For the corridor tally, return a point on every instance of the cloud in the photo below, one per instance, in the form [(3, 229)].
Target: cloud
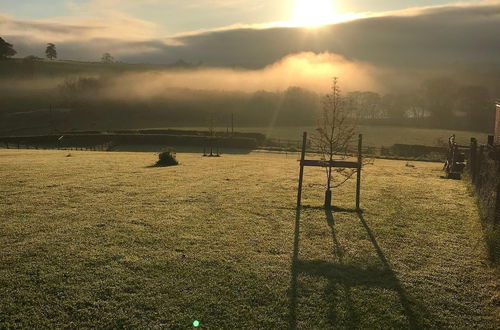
[(100, 6), (425, 38), (438, 36), (114, 26)]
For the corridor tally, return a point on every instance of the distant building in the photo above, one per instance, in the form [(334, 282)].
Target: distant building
[(497, 124)]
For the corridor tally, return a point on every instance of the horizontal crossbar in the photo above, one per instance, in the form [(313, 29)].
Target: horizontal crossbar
[(335, 163)]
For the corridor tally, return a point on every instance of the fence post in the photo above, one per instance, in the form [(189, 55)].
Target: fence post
[(496, 219), (358, 177), (491, 140), (479, 160), (301, 173), (473, 159)]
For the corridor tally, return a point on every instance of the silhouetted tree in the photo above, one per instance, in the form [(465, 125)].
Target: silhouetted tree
[(439, 98), (32, 58), (262, 106), (476, 103), (297, 106), (395, 106), (181, 64), (6, 50), (107, 58), (366, 104), (78, 91), (415, 105), (51, 51)]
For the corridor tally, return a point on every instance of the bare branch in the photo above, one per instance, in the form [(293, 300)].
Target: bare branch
[(335, 133)]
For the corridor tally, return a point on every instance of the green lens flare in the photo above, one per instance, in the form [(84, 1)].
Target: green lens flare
[(196, 324)]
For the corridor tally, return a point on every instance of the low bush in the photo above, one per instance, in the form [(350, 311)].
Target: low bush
[(167, 158)]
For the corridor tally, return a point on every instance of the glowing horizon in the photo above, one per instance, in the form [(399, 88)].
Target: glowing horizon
[(317, 13)]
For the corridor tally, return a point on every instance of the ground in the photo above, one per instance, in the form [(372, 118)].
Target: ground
[(93, 239)]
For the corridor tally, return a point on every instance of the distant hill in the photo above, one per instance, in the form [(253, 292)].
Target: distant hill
[(18, 67)]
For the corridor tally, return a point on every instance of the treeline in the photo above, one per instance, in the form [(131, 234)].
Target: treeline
[(436, 103), (94, 102), (88, 97), (440, 103)]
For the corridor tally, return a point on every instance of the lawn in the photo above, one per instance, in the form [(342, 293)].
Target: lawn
[(104, 240)]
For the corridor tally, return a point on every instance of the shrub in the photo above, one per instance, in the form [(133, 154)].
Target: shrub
[(167, 158)]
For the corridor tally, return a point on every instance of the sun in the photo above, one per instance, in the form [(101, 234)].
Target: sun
[(313, 12)]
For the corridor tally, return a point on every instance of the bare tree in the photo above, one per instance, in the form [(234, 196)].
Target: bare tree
[(333, 136)]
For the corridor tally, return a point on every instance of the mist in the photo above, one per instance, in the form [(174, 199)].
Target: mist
[(287, 92)]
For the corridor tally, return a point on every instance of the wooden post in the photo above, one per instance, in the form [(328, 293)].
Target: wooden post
[(473, 159), (479, 161), (232, 123), (455, 157), (360, 165), (301, 173), (491, 140), (497, 207)]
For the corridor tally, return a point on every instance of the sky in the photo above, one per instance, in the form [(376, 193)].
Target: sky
[(173, 16), (258, 33)]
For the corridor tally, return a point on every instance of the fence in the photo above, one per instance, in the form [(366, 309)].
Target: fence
[(88, 141), (396, 151), (484, 169), (23, 145)]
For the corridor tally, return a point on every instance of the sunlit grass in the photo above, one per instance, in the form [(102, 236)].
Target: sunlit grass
[(104, 240)]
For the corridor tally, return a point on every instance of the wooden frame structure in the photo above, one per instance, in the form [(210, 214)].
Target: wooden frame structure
[(321, 163), (211, 148), (455, 160)]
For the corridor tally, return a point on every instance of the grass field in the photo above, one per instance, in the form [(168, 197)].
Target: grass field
[(104, 240), (374, 136)]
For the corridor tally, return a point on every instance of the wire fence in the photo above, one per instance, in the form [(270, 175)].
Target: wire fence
[(22, 145), (484, 169), (396, 151)]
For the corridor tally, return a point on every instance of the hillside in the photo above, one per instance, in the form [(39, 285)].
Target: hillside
[(21, 68), (94, 239)]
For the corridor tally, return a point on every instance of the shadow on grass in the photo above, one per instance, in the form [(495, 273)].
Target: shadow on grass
[(332, 209), (345, 275), (161, 166), (414, 321), (457, 178), (179, 149), (292, 312)]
